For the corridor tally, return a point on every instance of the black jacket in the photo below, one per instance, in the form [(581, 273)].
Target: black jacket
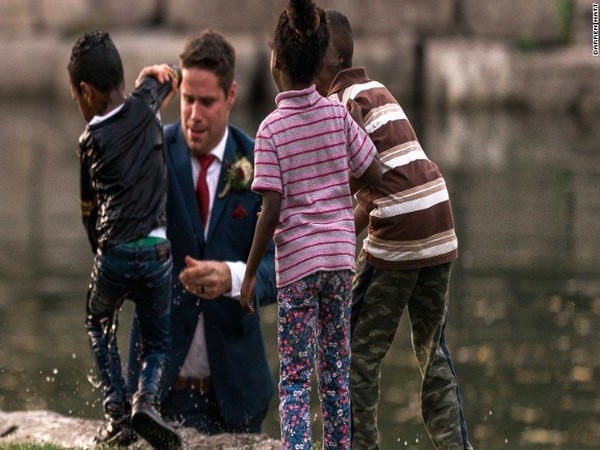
[(123, 173)]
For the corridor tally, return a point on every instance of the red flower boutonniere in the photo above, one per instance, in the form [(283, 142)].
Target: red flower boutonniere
[(238, 177), (239, 212)]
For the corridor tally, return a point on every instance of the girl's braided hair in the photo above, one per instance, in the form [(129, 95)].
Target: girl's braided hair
[(300, 40)]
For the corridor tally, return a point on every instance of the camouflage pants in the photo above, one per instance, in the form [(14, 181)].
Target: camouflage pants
[(380, 297)]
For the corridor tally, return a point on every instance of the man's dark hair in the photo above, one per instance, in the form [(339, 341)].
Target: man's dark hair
[(341, 37), (96, 60), (300, 40), (209, 50)]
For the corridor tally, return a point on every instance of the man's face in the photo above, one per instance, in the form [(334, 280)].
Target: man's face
[(205, 109)]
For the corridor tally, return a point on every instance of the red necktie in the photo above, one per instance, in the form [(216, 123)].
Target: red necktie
[(202, 187)]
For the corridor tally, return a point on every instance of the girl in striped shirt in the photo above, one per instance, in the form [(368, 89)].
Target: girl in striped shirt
[(303, 151)]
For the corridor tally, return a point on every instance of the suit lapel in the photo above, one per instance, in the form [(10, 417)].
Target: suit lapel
[(180, 160), (219, 203)]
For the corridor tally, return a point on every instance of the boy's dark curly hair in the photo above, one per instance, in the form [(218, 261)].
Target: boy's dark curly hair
[(96, 60), (300, 40), (209, 50)]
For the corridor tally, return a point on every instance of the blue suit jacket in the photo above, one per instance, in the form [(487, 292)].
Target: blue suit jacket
[(240, 372)]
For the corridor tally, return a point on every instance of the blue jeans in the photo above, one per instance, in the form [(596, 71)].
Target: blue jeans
[(143, 275)]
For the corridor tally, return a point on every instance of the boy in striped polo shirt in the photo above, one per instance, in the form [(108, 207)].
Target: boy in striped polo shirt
[(405, 259)]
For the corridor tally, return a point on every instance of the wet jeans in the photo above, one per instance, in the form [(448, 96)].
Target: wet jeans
[(143, 275)]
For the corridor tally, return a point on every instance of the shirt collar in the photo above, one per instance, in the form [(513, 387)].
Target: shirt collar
[(346, 78), (98, 119), (298, 99), (219, 151)]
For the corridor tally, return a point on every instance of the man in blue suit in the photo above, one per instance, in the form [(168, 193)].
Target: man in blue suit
[(218, 379)]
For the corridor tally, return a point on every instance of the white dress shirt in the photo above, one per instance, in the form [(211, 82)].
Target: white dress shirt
[(196, 362)]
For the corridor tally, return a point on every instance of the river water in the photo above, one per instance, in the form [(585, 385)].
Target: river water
[(525, 299)]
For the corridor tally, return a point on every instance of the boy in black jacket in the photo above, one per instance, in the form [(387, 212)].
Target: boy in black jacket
[(123, 198)]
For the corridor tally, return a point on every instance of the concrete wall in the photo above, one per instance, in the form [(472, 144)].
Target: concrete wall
[(539, 20), (536, 53)]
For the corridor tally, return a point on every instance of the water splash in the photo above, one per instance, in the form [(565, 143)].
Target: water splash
[(93, 381)]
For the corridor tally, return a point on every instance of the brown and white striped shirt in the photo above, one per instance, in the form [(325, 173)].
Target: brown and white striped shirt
[(410, 216)]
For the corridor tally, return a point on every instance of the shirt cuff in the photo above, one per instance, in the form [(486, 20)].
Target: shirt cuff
[(237, 270)]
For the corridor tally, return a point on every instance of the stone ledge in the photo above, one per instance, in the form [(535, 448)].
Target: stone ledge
[(36, 65), (469, 73), (48, 427), (450, 72)]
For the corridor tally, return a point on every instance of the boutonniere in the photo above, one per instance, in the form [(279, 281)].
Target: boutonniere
[(238, 177)]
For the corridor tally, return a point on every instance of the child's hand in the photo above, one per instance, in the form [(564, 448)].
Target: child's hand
[(247, 293), (356, 113), (159, 71), (163, 73)]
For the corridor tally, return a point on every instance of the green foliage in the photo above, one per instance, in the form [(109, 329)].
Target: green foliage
[(565, 16), (526, 44), (565, 13)]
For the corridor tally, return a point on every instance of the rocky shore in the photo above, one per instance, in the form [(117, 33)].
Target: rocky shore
[(47, 427)]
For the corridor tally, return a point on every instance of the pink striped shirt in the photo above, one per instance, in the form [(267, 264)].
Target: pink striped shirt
[(303, 150)]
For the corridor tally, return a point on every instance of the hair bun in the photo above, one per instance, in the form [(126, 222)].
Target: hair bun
[(303, 17)]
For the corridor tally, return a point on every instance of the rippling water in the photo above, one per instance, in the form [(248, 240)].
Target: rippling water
[(523, 326)]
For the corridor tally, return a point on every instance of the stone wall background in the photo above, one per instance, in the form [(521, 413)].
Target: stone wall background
[(452, 53)]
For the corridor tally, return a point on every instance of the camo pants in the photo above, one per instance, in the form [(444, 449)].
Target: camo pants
[(380, 297)]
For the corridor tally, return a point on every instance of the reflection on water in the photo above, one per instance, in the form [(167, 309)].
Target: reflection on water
[(523, 325)]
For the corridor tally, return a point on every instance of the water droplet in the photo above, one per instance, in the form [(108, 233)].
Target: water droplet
[(95, 383)]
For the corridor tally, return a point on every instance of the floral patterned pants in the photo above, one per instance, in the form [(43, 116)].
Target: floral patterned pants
[(314, 331)]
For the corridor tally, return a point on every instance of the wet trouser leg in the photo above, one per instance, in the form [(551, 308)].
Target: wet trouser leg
[(153, 309), (440, 397), (142, 274), (379, 299), (376, 312), (103, 302)]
